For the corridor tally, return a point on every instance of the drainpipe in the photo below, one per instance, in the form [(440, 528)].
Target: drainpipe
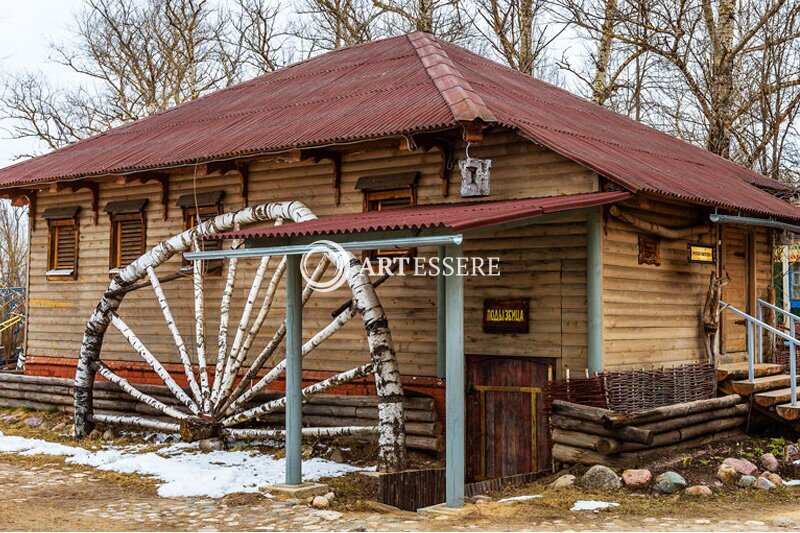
[(594, 290)]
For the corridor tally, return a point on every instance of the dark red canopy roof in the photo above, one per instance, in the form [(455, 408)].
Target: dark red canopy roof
[(456, 217), (399, 86)]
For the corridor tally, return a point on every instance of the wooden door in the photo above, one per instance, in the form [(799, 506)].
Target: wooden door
[(738, 263), (506, 423)]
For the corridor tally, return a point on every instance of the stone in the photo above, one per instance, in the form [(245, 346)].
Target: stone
[(701, 491), (320, 502), (600, 477), (564, 482), (108, 435), (728, 474), (33, 421), (763, 483), (775, 478), (769, 462), (742, 466), (746, 482), (443, 512), (379, 507), (637, 479), (330, 497), (670, 482), (791, 453), (337, 456), (212, 445), (786, 523), (301, 491)]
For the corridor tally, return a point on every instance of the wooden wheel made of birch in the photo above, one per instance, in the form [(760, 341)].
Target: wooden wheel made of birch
[(219, 406)]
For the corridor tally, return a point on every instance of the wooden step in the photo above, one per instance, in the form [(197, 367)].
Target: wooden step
[(739, 370), (774, 397), (746, 388), (788, 411)]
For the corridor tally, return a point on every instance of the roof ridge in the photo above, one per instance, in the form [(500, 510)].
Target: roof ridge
[(464, 102)]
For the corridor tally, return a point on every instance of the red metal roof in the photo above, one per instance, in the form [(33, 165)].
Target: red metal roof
[(456, 217), (399, 86)]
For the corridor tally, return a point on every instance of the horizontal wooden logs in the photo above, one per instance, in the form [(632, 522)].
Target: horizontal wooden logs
[(604, 445), (583, 412), (627, 433), (612, 419), (688, 433), (674, 423)]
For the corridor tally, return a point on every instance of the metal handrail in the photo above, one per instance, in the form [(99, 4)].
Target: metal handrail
[(751, 324), (792, 345)]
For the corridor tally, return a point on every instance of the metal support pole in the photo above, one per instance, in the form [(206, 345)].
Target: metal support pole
[(594, 291), (750, 367), (441, 318), (760, 317), (792, 362), (454, 452), (294, 370), (787, 303)]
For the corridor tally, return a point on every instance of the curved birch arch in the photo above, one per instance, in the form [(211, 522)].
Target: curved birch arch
[(217, 406)]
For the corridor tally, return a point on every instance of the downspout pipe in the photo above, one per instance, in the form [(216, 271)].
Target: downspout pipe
[(594, 290), (750, 221)]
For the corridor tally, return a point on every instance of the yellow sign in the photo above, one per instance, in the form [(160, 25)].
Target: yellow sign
[(701, 253)]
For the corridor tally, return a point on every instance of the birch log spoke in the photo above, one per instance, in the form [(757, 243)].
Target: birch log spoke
[(154, 363), (210, 410), (176, 335), (316, 388)]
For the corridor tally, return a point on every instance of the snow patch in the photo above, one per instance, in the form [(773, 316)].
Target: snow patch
[(591, 505), (792, 482), (183, 472), (520, 498)]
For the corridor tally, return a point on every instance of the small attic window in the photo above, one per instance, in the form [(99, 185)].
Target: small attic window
[(128, 232), (392, 191)]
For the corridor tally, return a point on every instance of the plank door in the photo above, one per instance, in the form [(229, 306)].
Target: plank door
[(738, 264), (506, 423)]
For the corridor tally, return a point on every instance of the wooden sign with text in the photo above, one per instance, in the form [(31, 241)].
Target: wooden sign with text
[(702, 253), (505, 315)]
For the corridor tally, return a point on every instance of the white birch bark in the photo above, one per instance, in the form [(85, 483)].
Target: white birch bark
[(125, 385), (176, 335), (224, 313), (200, 329), (154, 363), (341, 431), (316, 388), (99, 320), (137, 421)]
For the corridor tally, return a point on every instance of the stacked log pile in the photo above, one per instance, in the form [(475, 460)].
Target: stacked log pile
[(424, 431), (591, 435)]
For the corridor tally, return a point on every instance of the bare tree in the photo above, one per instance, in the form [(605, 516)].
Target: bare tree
[(13, 244), (331, 24), (444, 18), (519, 32), (139, 58)]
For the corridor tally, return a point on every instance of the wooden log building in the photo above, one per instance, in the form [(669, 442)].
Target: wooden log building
[(590, 214)]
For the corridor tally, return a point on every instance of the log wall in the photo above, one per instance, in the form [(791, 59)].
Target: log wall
[(651, 314), (544, 262)]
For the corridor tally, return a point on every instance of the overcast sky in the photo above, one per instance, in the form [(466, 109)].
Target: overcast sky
[(27, 27)]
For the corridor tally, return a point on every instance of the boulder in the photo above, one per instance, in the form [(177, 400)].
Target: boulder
[(320, 502), (330, 497), (564, 482), (791, 453), (108, 434), (746, 482), (728, 474), (698, 490), (336, 456), (775, 478), (742, 466), (637, 479), (670, 483), (763, 483), (769, 462), (33, 421), (600, 477), (212, 444)]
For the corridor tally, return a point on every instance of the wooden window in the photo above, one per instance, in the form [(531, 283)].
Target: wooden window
[(191, 217), (127, 239), (383, 193), (62, 257)]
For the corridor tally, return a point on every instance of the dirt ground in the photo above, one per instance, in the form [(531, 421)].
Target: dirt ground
[(42, 493)]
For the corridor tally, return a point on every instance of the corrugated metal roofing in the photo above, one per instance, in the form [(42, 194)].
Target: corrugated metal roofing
[(456, 217), (398, 86)]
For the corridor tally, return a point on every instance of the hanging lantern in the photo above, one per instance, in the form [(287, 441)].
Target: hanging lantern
[(474, 176)]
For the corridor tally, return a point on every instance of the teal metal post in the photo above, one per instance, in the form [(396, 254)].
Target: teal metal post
[(441, 318), (454, 390), (594, 290), (294, 370)]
